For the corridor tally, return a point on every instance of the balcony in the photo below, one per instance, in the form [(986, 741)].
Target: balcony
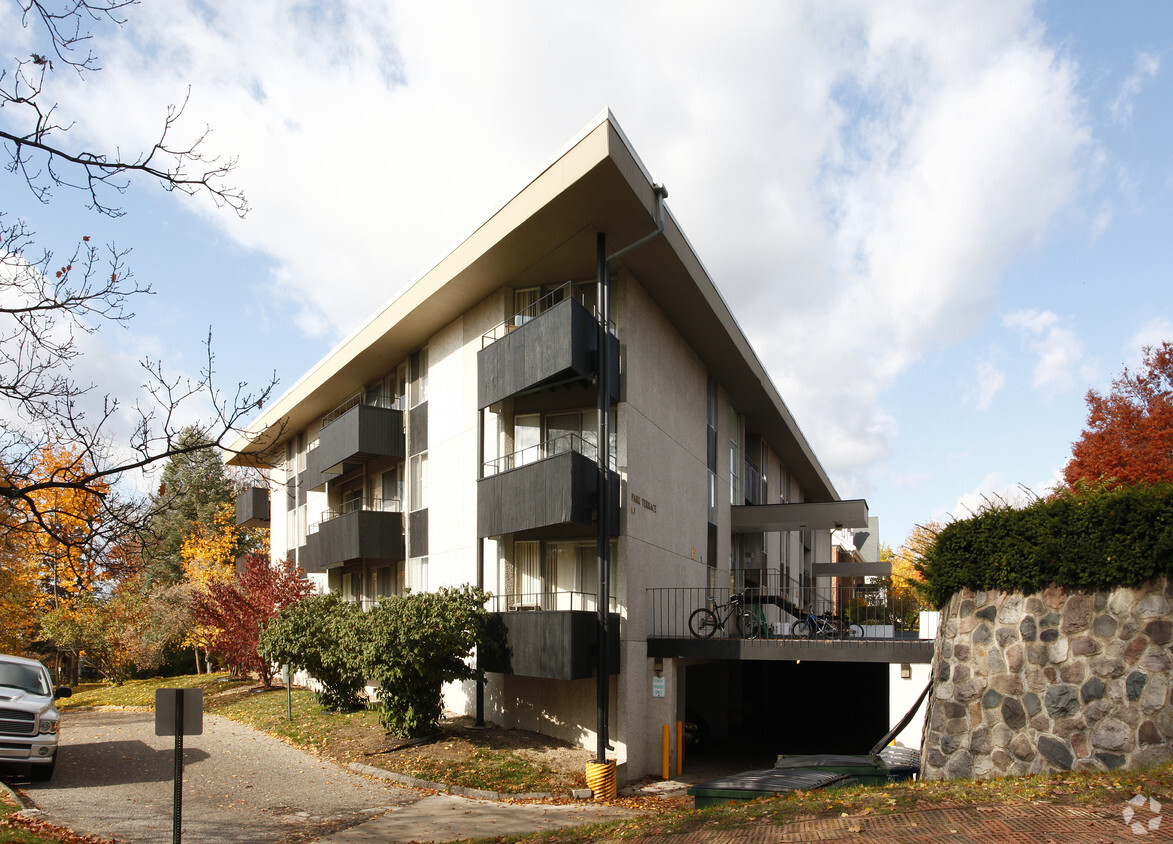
[(556, 644), (558, 345), (760, 625), (356, 530), (252, 508), (353, 434), (548, 485)]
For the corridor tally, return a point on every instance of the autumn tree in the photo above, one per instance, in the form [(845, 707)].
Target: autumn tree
[(1128, 438), (238, 610), (209, 555), (193, 491)]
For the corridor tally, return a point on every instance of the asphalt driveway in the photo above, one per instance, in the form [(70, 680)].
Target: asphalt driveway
[(115, 778)]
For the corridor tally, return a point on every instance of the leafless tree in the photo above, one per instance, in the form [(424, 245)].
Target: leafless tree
[(47, 303), (35, 136)]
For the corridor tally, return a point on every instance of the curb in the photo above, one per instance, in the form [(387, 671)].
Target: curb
[(20, 807), (459, 791)]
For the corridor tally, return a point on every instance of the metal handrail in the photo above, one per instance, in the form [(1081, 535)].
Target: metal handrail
[(881, 613), (546, 601), (542, 451), (355, 505), (360, 398), (564, 291)]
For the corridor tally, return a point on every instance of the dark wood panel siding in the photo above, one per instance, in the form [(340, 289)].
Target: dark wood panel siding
[(417, 419), (554, 346), (364, 534), (417, 524), (252, 507), (555, 491), (362, 432), (554, 645)]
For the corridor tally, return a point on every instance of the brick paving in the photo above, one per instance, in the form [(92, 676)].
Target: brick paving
[(963, 825)]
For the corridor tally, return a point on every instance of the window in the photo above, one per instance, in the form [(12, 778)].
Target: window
[(391, 490), (384, 582), (527, 438), (736, 459), (417, 574), (419, 481), (349, 588), (525, 302), (419, 378), (527, 560)]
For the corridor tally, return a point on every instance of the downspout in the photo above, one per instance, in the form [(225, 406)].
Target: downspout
[(480, 722), (603, 462)]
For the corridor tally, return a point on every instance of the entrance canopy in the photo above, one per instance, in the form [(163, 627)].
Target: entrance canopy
[(821, 515)]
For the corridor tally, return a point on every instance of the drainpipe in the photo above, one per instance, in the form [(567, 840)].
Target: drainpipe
[(603, 462), (480, 722)]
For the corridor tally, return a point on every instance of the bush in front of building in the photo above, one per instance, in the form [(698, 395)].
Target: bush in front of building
[(322, 635), (415, 644), (1090, 541)]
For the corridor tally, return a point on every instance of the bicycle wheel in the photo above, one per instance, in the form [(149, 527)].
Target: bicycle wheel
[(801, 630), (749, 625), (855, 631), (703, 623)]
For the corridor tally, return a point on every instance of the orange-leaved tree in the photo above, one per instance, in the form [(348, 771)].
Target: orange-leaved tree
[(1129, 434)]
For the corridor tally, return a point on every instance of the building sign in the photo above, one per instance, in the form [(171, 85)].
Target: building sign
[(658, 687)]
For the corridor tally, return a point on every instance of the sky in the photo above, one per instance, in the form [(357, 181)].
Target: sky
[(939, 224)]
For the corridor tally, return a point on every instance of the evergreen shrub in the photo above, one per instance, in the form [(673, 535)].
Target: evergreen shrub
[(1092, 541)]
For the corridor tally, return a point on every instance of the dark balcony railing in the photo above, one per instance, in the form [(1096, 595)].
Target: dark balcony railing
[(360, 432), (557, 347), (356, 531), (252, 508), (552, 644), (560, 488), (882, 612)]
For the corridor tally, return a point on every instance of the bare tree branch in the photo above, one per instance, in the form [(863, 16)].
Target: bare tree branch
[(36, 154)]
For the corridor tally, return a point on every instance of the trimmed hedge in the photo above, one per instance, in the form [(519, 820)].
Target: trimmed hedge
[(1088, 542)]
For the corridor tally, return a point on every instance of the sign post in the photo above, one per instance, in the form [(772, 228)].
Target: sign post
[(179, 712)]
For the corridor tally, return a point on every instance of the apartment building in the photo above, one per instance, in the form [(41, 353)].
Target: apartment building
[(455, 438)]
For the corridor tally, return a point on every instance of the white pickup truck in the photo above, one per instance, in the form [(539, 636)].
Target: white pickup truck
[(28, 718)]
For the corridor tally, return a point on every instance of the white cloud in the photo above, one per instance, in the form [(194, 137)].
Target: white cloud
[(990, 380), (1059, 350), (856, 179), (993, 491), (1144, 70), (1152, 333)]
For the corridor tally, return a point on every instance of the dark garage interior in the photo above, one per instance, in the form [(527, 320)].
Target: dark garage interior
[(757, 710)]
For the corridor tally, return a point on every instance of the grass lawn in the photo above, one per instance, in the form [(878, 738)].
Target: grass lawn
[(1108, 790)]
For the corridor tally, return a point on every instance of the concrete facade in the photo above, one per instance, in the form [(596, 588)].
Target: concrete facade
[(685, 371)]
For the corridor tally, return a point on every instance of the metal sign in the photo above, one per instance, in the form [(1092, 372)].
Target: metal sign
[(658, 687), (170, 702)]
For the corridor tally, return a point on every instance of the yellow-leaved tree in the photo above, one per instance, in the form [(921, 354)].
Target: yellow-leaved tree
[(209, 556), (904, 593)]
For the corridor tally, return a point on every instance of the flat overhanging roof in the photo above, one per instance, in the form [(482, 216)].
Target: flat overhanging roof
[(822, 515), (547, 232)]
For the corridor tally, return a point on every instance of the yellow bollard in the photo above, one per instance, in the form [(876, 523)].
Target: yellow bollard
[(679, 748), (600, 777), (665, 744)]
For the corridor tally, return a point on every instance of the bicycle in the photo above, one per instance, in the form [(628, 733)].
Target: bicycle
[(706, 621), (825, 626)]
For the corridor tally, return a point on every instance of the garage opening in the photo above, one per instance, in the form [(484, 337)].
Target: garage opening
[(753, 711)]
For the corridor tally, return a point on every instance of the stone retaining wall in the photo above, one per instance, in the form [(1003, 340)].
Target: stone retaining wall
[(1057, 680)]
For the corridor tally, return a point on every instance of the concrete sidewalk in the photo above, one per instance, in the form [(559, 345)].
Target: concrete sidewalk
[(446, 817)]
